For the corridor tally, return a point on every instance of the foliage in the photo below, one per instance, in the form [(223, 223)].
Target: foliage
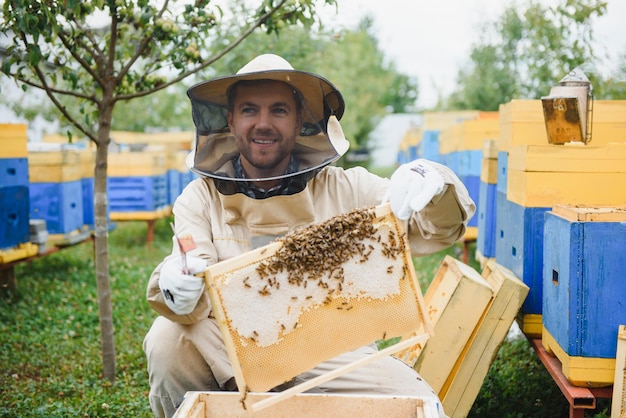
[(351, 59), (144, 47), (49, 330), (526, 51)]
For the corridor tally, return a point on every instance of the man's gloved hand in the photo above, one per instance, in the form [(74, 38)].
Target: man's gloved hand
[(181, 291), (413, 185)]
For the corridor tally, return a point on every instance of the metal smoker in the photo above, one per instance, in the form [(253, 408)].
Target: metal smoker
[(568, 109)]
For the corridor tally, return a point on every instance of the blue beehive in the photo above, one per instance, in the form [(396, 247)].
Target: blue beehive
[(59, 204), (470, 162), (14, 221), (584, 286), (486, 214), (138, 193), (519, 246), (472, 184), (503, 157), (429, 146)]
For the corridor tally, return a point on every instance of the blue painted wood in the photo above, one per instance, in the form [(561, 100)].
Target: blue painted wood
[(503, 164), (519, 246), (174, 185), (584, 286), (428, 147), (470, 162), (138, 193), (14, 220), (59, 204), (486, 214), (472, 184), (13, 172)]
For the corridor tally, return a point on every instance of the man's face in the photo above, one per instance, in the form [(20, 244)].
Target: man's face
[(265, 121)]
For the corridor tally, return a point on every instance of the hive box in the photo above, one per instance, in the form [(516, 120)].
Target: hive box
[(59, 204), (14, 229), (62, 165), (584, 289), (486, 219), (13, 172), (13, 140), (522, 123), (519, 247)]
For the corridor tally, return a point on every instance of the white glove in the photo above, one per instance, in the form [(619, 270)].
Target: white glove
[(182, 291), (413, 185)]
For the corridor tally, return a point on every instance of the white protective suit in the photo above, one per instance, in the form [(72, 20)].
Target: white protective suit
[(186, 352)]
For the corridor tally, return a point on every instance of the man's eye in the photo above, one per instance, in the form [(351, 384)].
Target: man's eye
[(280, 110)]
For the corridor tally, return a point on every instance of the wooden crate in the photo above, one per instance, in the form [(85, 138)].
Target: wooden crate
[(13, 140), (59, 204), (14, 205), (569, 158), (583, 286), (460, 390), (307, 405), (455, 302)]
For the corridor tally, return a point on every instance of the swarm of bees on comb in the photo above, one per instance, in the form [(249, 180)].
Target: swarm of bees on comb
[(324, 264)]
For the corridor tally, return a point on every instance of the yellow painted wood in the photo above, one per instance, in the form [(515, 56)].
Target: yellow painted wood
[(172, 140), (522, 123), (531, 324), (143, 163), (472, 134), (13, 140), (412, 137), (455, 302), (618, 405), (438, 121), (490, 148), (54, 166), (571, 158), (87, 162), (585, 213), (141, 216), (460, 391), (489, 171), (580, 371), (20, 252), (447, 137), (536, 189)]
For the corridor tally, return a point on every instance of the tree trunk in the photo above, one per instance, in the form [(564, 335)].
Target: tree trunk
[(101, 235)]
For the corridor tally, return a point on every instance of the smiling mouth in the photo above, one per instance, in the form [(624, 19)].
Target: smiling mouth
[(263, 141)]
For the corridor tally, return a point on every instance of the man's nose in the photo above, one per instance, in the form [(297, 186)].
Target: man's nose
[(263, 119)]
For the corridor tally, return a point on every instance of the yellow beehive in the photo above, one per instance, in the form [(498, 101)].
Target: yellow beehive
[(13, 140), (87, 162), (438, 121), (148, 162), (455, 302), (522, 123), (54, 166), (460, 390), (472, 134), (545, 175), (171, 140), (307, 405)]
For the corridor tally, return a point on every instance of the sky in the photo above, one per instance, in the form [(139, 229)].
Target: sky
[(431, 40)]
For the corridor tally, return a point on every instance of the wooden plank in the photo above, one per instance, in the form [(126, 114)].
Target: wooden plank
[(310, 405), (457, 291), (569, 158), (585, 213), (489, 171), (460, 391), (13, 140), (618, 404), (535, 189)]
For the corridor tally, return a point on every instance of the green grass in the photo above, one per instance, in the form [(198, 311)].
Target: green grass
[(50, 352)]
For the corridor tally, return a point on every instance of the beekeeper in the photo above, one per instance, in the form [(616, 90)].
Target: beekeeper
[(265, 141)]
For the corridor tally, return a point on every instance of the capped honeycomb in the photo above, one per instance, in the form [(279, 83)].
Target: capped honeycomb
[(315, 293)]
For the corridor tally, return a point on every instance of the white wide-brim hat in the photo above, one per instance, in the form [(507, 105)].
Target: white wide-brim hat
[(215, 146)]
